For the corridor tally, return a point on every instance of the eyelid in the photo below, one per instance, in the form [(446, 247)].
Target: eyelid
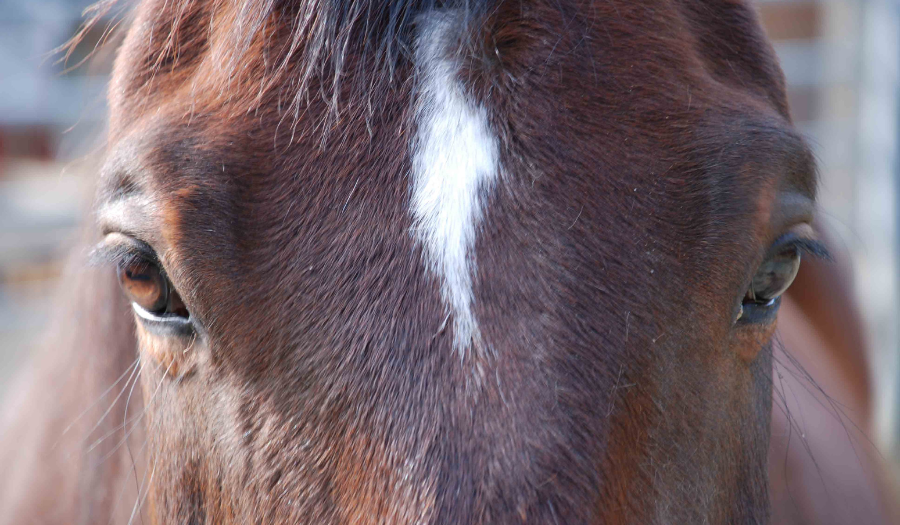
[(119, 249), (806, 245)]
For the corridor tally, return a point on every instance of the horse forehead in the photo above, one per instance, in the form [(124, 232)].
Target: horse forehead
[(175, 44), (193, 157), (210, 141)]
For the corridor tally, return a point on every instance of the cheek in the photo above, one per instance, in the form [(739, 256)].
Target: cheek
[(174, 355), (748, 341)]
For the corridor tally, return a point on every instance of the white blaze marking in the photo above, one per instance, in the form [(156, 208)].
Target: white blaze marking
[(455, 164)]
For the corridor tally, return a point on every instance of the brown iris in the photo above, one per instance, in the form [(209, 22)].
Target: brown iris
[(774, 276), (145, 286)]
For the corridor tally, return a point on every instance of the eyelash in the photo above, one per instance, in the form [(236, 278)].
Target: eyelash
[(806, 246), (122, 254)]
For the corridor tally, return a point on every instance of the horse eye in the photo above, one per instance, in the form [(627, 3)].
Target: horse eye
[(146, 286), (774, 277)]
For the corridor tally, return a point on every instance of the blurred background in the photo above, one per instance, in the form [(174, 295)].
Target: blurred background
[(51, 126), (841, 58)]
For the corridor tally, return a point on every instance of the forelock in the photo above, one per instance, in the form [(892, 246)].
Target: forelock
[(333, 49)]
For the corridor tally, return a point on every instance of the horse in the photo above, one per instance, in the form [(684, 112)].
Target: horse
[(409, 261), (823, 467)]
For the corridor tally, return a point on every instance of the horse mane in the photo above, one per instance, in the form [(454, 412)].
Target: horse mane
[(320, 36)]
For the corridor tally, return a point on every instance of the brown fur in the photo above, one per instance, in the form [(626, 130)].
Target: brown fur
[(645, 146)]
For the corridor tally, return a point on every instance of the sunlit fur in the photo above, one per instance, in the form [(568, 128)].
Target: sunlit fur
[(564, 351)]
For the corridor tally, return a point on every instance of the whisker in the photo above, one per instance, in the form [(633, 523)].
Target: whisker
[(111, 433), (128, 447), (122, 488), (139, 416), (125, 417), (140, 501), (837, 408), (140, 487), (129, 384), (786, 366), (790, 430), (131, 369)]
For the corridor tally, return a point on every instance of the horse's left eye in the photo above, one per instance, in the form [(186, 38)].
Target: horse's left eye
[(149, 291), (774, 277), (144, 285)]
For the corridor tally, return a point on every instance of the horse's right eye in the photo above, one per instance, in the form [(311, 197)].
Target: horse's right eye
[(774, 277)]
